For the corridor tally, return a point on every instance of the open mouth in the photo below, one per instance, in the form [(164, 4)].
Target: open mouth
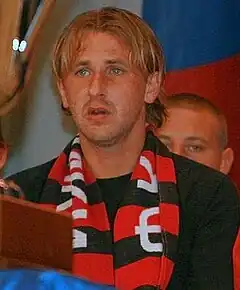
[(98, 112)]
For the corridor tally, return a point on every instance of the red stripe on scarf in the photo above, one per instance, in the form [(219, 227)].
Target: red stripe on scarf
[(140, 172), (169, 214), (166, 171), (236, 262), (97, 216), (94, 267), (126, 220), (58, 172), (143, 269), (165, 276), (74, 170)]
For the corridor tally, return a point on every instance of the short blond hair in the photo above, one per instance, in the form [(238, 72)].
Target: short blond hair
[(145, 51), (196, 102)]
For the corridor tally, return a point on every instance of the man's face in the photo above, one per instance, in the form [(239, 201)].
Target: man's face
[(193, 134), (104, 92)]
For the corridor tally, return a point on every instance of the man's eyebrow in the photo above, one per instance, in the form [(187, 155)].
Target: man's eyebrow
[(107, 61), (194, 138), (190, 138), (82, 63), (116, 61)]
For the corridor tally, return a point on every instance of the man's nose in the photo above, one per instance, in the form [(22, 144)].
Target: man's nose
[(97, 85)]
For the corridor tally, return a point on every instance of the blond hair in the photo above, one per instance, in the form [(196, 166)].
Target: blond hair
[(145, 51)]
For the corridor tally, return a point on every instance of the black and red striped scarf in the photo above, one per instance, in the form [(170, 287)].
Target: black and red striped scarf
[(146, 225)]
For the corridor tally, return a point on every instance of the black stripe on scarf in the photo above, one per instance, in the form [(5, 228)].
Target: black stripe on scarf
[(103, 244), (130, 247)]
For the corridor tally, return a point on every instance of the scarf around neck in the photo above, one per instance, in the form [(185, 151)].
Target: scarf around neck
[(141, 251)]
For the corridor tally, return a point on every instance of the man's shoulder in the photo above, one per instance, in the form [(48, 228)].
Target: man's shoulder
[(189, 172), (200, 186), (32, 180), (209, 211)]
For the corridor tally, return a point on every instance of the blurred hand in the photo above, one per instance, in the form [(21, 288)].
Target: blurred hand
[(9, 188)]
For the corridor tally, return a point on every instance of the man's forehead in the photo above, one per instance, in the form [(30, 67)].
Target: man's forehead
[(187, 131), (201, 118), (106, 49), (104, 40)]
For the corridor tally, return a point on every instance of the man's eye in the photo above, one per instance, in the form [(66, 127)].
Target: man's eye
[(195, 148), (83, 72), (116, 71)]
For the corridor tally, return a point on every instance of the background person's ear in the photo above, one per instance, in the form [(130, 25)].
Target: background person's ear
[(227, 160), (153, 88)]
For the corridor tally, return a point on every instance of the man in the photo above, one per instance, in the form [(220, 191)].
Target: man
[(197, 129), (143, 218)]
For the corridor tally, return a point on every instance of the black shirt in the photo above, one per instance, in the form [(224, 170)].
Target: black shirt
[(113, 190)]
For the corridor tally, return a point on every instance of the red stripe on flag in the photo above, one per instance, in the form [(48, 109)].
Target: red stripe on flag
[(96, 268)]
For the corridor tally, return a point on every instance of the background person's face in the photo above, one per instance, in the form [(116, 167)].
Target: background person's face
[(193, 134), (104, 93)]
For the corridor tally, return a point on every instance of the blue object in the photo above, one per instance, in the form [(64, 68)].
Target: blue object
[(194, 32), (44, 280)]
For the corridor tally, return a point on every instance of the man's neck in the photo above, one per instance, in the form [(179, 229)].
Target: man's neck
[(116, 160)]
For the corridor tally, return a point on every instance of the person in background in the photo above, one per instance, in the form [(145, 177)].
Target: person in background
[(143, 217), (197, 129)]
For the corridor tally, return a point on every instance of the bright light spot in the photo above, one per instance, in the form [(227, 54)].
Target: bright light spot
[(15, 44), (22, 45)]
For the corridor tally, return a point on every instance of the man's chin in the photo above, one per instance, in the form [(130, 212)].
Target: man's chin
[(103, 140), (104, 136)]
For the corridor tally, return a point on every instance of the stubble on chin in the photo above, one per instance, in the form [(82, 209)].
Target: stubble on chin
[(106, 140)]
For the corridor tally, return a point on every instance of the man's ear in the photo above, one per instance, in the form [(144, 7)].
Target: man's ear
[(153, 88), (63, 94), (3, 154), (227, 160)]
